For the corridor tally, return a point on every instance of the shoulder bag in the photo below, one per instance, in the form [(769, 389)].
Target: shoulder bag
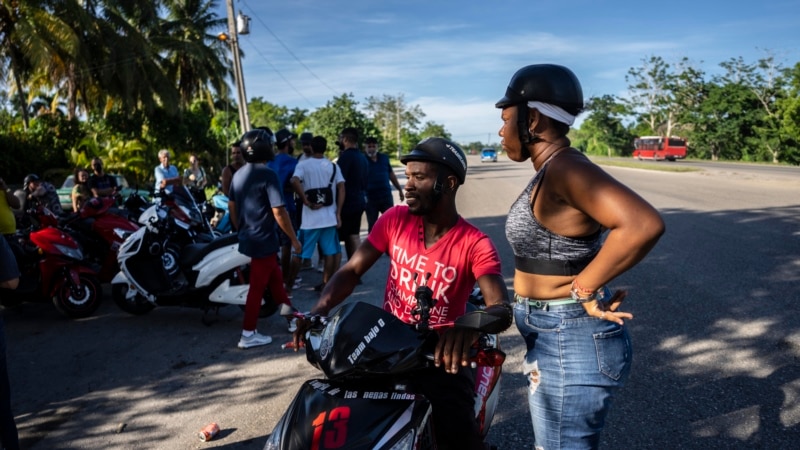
[(322, 196)]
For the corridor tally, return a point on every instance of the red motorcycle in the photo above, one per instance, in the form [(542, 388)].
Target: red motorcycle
[(52, 267), (100, 230)]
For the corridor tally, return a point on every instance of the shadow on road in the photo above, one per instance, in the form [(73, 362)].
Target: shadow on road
[(716, 338)]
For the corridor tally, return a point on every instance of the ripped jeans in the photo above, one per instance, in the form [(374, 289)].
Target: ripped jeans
[(574, 365)]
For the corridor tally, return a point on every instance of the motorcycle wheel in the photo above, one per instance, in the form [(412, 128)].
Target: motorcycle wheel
[(170, 259), (78, 301), (137, 305)]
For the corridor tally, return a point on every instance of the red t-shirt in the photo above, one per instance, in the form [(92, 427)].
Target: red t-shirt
[(460, 257)]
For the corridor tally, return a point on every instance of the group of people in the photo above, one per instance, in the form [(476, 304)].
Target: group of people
[(573, 229), (296, 206)]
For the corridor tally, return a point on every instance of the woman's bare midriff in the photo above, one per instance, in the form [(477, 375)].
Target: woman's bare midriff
[(541, 287)]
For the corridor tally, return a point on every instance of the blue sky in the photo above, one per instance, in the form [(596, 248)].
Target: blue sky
[(454, 58)]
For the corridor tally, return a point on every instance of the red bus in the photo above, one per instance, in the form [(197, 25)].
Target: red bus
[(659, 148)]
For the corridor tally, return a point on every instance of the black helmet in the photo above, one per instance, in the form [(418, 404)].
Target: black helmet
[(442, 151), (547, 83), (257, 145), (283, 135), (28, 178)]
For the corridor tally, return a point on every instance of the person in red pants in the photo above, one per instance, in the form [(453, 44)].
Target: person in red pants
[(255, 204)]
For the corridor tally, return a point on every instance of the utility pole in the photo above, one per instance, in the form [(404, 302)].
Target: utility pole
[(397, 128), (238, 75)]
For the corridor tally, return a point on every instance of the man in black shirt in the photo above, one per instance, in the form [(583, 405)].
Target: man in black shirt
[(355, 170), (101, 183)]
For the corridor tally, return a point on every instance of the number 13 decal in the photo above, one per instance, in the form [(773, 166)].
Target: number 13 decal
[(335, 428)]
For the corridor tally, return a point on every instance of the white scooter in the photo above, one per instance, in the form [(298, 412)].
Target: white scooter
[(155, 272)]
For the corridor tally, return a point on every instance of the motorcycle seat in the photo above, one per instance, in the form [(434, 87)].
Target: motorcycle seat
[(193, 253)]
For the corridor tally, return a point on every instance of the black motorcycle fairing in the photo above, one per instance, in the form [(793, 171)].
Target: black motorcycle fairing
[(328, 414), (362, 339)]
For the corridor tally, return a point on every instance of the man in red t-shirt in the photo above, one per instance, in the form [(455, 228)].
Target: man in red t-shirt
[(428, 240)]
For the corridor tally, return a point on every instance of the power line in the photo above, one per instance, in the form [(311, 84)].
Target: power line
[(289, 51)]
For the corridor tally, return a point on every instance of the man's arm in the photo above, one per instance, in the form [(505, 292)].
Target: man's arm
[(226, 180), (282, 217), (232, 215), (341, 285), (97, 192), (297, 187), (453, 349), (340, 193), (395, 183)]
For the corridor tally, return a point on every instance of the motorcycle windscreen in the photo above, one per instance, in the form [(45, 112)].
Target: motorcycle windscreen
[(364, 339), (327, 415)]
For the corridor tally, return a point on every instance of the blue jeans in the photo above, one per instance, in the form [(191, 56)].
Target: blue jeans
[(574, 365)]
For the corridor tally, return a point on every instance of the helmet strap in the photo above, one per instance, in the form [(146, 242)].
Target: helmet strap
[(525, 136), (438, 187)]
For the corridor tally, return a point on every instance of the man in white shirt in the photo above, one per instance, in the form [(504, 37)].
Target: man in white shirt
[(320, 185), (166, 174)]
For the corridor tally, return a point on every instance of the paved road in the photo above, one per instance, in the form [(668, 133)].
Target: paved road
[(716, 335)]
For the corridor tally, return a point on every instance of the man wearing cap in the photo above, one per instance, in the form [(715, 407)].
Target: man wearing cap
[(284, 164), (428, 240), (305, 143), (379, 192)]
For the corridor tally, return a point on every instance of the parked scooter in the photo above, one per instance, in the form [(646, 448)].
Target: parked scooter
[(52, 267), (100, 232), (156, 272), (367, 354), (191, 226)]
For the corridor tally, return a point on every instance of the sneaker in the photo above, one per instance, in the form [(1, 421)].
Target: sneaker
[(293, 325), (254, 340), (320, 268)]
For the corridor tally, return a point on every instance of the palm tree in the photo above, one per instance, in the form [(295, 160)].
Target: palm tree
[(128, 68), (33, 40), (194, 55)]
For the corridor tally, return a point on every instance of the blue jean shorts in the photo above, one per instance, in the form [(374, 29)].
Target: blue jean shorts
[(328, 239)]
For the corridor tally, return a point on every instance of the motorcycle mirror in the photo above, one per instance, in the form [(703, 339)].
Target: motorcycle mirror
[(482, 321)]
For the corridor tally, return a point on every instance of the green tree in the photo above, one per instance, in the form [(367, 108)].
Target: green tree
[(394, 116), (195, 57), (32, 40), (603, 131), (265, 114), (340, 112), (789, 111), (649, 88)]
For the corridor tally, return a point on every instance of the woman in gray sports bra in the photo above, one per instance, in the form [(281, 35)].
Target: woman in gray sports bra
[(573, 229)]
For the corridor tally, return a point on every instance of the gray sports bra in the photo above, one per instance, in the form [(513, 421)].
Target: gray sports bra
[(540, 251)]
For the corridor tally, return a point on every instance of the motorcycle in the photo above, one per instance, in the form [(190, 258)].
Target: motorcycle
[(100, 229), (52, 266), (191, 225), (366, 354), (155, 272)]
